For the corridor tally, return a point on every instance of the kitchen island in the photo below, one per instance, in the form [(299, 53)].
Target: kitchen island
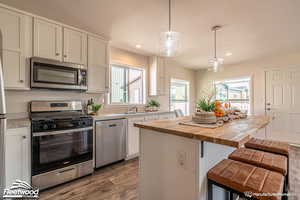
[(175, 158)]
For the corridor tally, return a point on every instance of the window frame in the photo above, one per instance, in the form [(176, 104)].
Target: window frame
[(187, 93), (128, 67), (251, 91)]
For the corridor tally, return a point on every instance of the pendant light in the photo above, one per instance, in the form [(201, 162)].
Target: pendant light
[(215, 61), (169, 41)]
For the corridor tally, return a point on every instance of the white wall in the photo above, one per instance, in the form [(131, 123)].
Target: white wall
[(256, 69), (178, 72)]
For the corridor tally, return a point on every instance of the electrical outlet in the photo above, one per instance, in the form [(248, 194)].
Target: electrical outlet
[(182, 159)]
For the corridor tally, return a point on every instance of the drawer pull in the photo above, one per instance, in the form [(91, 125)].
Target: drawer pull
[(64, 171)]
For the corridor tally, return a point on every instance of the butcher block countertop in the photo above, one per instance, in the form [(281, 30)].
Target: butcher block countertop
[(234, 134)]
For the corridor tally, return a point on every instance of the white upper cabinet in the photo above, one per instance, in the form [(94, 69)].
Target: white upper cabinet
[(16, 30), (47, 40), (75, 46), (157, 76), (97, 65)]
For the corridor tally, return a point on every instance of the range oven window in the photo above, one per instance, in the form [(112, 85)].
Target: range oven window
[(46, 73), (59, 150)]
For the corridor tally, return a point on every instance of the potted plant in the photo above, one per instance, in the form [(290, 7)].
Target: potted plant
[(205, 113), (152, 105), (96, 108)]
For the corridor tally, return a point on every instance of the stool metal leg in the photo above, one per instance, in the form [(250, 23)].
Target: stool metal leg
[(210, 189), (230, 195)]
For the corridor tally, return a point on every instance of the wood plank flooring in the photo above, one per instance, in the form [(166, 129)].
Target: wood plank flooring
[(120, 182), (116, 182)]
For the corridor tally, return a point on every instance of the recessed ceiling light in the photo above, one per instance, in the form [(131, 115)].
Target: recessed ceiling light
[(228, 54), (138, 46)]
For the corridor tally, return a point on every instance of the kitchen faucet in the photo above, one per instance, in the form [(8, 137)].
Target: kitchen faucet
[(132, 108)]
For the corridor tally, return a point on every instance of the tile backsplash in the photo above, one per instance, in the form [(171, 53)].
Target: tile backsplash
[(17, 101)]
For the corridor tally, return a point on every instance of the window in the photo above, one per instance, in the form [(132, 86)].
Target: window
[(236, 91), (179, 96), (127, 85)]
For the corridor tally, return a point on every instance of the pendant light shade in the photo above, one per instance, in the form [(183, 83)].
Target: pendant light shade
[(215, 62), (169, 43), (169, 40)]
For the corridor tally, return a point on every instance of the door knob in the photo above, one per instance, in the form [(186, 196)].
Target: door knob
[(57, 54), (268, 109), (24, 137), (268, 104), (65, 56)]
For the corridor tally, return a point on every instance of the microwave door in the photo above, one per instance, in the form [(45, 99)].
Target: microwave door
[(56, 75)]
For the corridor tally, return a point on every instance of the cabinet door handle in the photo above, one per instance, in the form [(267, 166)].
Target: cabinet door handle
[(24, 137), (57, 54), (21, 81), (65, 56)]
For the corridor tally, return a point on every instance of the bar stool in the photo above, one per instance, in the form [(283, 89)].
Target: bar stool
[(245, 180), (270, 161), (281, 148), (277, 147)]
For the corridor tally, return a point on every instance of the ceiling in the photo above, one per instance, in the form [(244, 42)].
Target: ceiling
[(251, 29)]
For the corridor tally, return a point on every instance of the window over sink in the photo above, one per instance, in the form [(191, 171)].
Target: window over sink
[(127, 84)]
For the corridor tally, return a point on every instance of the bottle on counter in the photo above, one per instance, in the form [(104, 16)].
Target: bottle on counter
[(89, 106)]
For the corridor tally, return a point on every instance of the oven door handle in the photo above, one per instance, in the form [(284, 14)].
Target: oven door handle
[(38, 134)]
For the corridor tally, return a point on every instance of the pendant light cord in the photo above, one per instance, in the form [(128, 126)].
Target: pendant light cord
[(169, 15), (215, 43)]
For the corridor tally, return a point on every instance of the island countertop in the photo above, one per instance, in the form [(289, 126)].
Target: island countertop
[(233, 134)]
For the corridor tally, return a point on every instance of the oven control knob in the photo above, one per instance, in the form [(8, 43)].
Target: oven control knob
[(45, 126)]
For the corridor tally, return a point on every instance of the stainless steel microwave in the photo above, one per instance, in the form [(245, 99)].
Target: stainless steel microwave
[(49, 74)]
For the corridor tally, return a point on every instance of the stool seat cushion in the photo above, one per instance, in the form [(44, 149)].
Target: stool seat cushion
[(268, 145), (262, 159), (243, 177)]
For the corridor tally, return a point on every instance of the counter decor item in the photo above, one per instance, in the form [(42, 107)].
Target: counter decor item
[(205, 113), (92, 108), (213, 113), (96, 108), (152, 106)]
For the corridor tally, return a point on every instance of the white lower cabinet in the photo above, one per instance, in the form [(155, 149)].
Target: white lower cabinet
[(133, 137), (133, 133), (17, 155)]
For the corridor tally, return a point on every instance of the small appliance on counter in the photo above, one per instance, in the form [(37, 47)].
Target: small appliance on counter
[(49, 74), (62, 142)]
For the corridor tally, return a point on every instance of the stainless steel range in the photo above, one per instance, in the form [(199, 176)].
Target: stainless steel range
[(62, 142)]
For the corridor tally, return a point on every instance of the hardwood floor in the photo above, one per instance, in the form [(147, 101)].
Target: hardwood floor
[(120, 182), (116, 182)]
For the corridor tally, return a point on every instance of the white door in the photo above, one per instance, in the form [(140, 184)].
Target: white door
[(47, 40), (283, 101), (17, 155), (14, 29), (97, 65), (75, 46)]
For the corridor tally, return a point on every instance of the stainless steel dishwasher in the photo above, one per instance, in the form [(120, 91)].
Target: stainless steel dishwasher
[(110, 141)]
